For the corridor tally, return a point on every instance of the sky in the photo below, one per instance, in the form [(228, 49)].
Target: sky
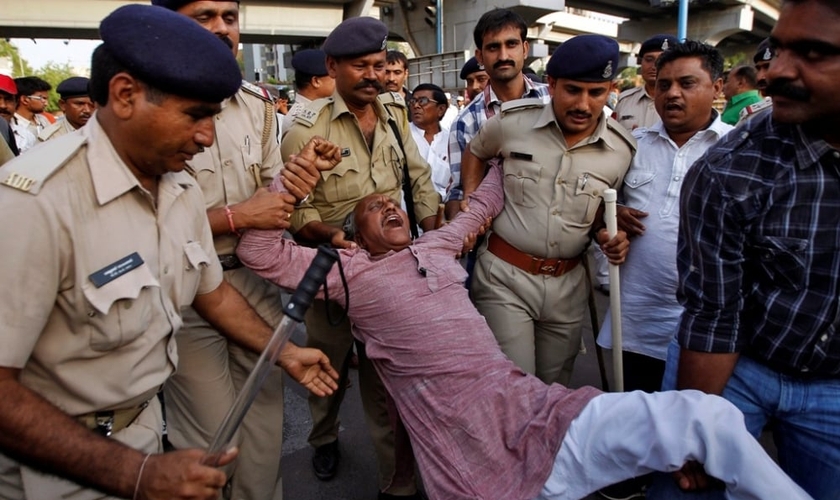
[(41, 51)]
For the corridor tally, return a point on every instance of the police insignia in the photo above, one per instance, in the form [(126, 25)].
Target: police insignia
[(608, 71), (768, 54), (665, 45), (384, 43)]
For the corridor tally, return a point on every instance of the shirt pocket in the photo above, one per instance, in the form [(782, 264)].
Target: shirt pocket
[(121, 310), (587, 191), (342, 182), (638, 187), (522, 178), (781, 259), (195, 259)]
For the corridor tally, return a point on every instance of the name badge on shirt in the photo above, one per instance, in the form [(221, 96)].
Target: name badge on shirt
[(113, 271), (345, 152), (521, 156)]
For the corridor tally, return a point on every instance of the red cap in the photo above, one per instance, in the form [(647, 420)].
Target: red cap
[(7, 85)]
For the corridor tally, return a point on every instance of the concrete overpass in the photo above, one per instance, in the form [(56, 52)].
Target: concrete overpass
[(732, 25)]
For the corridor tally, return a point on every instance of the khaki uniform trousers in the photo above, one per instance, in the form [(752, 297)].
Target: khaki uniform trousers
[(536, 319), (19, 482), (336, 342), (210, 373)]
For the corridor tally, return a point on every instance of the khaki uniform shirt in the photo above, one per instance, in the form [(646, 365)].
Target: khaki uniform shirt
[(239, 161), (362, 171), (636, 109), (301, 102), (57, 129), (5, 152), (95, 273), (551, 191)]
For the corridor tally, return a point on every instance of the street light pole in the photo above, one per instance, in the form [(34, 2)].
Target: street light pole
[(682, 21)]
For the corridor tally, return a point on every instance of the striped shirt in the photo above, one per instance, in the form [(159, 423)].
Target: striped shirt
[(471, 119), (759, 249)]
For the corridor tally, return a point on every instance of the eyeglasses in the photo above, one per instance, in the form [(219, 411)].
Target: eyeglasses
[(38, 98), (422, 101)]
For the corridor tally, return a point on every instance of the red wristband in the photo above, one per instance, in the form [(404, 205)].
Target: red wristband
[(232, 226)]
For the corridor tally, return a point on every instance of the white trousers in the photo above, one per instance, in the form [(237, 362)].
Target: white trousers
[(622, 435)]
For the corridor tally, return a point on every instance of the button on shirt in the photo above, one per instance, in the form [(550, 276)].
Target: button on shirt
[(649, 308), (472, 118), (758, 254), (81, 346)]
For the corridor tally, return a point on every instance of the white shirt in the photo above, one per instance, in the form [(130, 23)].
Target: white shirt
[(24, 138), (436, 155), (449, 117), (649, 308)]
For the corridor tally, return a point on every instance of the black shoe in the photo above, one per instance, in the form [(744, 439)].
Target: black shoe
[(388, 496), (325, 461)]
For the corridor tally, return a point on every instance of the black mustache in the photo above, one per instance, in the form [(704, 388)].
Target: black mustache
[(784, 88), (227, 41), (369, 83), (500, 63)]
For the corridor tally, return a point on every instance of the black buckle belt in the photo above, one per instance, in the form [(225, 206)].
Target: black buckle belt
[(230, 262)]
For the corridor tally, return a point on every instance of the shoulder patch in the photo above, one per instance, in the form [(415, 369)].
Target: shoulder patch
[(49, 131), (309, 114), (622, 132), (520, 104), (755, 108), (29, 172), (629, 92), (392, 98), (256, 91)]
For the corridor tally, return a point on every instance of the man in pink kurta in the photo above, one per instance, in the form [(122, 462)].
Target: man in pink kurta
[(481, 428)]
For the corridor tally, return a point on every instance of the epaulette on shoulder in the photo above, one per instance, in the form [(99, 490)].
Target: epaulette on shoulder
[(30, 171), (629, 92), (392, 98), (622, 132), (309, 115), (48, 132), (520, 104), (755, 108), (256, 91)]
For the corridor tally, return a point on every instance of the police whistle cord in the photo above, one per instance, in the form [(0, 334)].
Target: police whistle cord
[(293, 314)]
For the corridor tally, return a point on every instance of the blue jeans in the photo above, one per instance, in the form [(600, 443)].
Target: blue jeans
[(804, 417)]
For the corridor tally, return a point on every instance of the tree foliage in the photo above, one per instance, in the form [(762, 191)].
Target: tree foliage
[(20, 67), (54, 74)]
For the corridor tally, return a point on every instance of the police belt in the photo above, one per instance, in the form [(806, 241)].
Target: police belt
[(527, 262), (111, 421), (230, 262)]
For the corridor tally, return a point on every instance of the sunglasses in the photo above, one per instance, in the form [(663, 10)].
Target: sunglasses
[(422, 101)]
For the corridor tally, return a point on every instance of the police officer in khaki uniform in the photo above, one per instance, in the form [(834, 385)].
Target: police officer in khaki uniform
[(76, 105), (356, 118), (558, 160), (233, 174), (312, 81), (635, 106), (109, 240)]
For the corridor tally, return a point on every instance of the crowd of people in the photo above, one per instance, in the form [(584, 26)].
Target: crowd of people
[(153, 229)]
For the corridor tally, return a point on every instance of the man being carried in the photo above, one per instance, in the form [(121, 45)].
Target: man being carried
[(481, 428)]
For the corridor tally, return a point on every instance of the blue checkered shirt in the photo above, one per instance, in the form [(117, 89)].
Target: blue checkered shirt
[(471, 119), (759, 249)]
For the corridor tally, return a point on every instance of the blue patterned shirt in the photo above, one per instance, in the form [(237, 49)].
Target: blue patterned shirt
[(759, 249), (471, 119)]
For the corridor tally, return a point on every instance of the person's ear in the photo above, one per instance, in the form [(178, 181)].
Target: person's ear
[(124, 91)]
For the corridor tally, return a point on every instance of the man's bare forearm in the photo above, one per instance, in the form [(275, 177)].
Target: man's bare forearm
[(38, 434), (705, 371), (472, 171)]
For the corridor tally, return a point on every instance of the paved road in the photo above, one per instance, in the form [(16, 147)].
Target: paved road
[(356, 478)]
